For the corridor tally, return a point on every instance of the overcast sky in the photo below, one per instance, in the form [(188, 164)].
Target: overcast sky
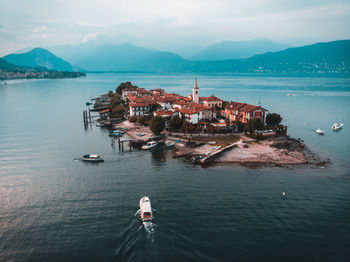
[(166, 24)]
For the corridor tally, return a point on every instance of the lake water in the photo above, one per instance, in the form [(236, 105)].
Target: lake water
[(55, 209)]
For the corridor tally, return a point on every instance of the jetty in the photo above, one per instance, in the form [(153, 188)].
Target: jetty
[(136, 143), (211, 156)]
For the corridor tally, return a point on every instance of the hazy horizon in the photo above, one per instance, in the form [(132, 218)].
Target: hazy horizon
[(169, 26)]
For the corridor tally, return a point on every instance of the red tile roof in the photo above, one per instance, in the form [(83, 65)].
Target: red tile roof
[(211, 98), (164, 113), (250, 108), (167, 99), (180, 102), (189, 111), (103, 111), (235, 105)]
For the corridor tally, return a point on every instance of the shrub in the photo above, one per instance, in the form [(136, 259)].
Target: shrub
[(119, 109), (157, 124), (273, 119), (255, 124), (133, 119), (142, 120), (175, 123), (124, 85)]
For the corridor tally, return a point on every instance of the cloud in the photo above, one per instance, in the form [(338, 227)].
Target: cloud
[(38, 29), (89, 37), (162, 23)]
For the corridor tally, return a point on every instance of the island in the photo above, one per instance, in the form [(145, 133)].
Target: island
[(206, 130)]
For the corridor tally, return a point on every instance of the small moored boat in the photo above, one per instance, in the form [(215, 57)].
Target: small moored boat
[(149, 145), (92, 158), (116, 133), (337, 126), (145, 210), (196, 159), (88, 103), (319, 131), (170, 144)]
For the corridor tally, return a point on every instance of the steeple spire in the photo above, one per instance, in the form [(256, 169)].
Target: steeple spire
[(195, 92), (195, 83)]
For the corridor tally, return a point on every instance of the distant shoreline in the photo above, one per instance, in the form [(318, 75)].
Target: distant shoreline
[(347, 75), (13, 75)]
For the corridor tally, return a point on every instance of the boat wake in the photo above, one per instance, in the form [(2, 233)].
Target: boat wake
[(149, 227)]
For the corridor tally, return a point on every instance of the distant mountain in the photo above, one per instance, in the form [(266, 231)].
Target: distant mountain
[(24, 50), (6, 66), (329, 57), (236, 50), (185, 50), (321, 57), (39, 57), (120, 57)]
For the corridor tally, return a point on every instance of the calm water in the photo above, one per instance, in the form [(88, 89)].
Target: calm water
[(55, 209)]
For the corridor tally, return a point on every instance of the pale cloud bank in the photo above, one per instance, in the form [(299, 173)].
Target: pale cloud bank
[(163, 24)]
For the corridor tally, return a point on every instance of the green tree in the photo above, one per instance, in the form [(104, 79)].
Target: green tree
[(239, 125), (124, 85), (175, 123), (142, 120), (255, 124), (157, 124), (187, 127), (115, 100), (110, 93), (273, 119), (155, 107), (133, 119), (118, 109)]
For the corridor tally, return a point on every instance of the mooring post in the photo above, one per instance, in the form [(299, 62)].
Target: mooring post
[(119, 143), (130, 145), (122, 145), (85, 118)]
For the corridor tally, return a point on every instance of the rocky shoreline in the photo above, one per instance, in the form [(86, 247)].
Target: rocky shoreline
[(281, 151)]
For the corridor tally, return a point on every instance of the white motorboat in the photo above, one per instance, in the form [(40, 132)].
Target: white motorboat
[(145, 210), (337, 126), (170, 144), (149, 145), (92, 158), (319, 131)]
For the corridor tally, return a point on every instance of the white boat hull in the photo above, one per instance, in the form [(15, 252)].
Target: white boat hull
[(149, 146), (145, 209), (337, 126)]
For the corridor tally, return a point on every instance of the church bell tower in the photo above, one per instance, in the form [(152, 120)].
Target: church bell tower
[(195, 92)]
